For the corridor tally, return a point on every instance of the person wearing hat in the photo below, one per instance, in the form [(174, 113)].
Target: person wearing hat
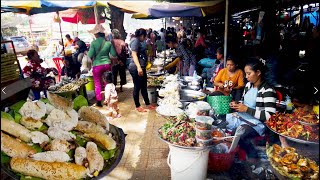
[(100, 51), (81, 48)]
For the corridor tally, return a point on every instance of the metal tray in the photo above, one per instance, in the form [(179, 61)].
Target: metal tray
[(119, 137), (294, 139), (191, 95)]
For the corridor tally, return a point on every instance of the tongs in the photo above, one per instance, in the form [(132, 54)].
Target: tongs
[(222, 138)]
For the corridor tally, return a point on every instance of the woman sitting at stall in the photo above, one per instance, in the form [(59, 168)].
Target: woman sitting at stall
[(38, 74), (259, 103), (229, 80)]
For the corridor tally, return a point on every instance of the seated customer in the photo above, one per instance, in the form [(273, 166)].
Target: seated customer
[(38, 74), (259, 103), (230, 80)]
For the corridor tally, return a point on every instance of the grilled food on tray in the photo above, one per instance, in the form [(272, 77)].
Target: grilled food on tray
[(57, 146), (285, 124), (290, 164)]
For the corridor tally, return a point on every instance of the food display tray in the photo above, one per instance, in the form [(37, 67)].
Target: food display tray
[(187, 95), (294, 139), (119, 137)]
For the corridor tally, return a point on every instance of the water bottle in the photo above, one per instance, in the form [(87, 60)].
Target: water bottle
[(204, 85), (289, 105), (194, 75)]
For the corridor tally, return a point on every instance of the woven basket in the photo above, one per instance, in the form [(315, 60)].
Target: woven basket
[(220, 104)]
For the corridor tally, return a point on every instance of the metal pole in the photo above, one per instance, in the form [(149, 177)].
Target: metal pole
[(165, 45), (61, 34), (96, 17), (226, 33)]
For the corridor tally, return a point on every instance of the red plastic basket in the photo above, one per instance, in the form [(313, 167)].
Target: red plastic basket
[(221, 162)]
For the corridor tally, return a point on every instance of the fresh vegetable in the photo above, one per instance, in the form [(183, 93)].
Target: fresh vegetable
[(17, 106), (45, 100), (37, 148), (4, 158), (6, 116), (79, 101), (107, 154)]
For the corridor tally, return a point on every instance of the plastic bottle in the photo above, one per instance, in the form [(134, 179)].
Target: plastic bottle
[(204, 85), (194, 75), (289, 105)]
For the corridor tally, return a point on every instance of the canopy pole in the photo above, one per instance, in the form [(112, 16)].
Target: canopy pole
[(165, 45), (95, 9), (226, 33), (77, 24), (61, 34)]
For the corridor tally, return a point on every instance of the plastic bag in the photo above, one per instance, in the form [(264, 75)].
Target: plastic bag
[(207, 62)]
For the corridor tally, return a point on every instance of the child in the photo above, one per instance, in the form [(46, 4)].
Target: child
[(111, 96)]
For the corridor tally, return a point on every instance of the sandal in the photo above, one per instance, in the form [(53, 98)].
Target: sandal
[(151, 107), (141, 109)]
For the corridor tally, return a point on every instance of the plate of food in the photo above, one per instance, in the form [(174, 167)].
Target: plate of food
[(289, 164), (51, 140), (284, 125)]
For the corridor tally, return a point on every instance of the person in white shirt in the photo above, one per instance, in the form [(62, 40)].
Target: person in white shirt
[(111, 96)]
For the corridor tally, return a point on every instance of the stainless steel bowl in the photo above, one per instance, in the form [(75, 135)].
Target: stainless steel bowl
[(187, 95)]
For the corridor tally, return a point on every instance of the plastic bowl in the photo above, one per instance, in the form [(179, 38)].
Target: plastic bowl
[(204, 142), (204, 134)]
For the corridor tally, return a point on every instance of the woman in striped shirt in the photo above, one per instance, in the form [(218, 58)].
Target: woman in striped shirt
[(259, 103)]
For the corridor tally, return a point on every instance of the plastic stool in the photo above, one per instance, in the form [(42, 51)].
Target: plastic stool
[(56, 61)]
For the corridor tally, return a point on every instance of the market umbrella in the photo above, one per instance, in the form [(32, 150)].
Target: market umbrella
[(45, 6), (85, 16)]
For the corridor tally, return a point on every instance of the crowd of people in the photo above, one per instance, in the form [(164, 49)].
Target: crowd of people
[(253, 97)]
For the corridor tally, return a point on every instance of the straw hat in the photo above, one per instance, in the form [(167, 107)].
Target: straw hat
[(97, 29)]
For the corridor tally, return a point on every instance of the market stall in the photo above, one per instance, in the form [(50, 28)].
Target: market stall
[(55, 138)]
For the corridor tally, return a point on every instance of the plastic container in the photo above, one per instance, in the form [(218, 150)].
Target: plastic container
[(203, 142), (188, 164), (204, 134), (204, 122), (152, 94), (90, 85)]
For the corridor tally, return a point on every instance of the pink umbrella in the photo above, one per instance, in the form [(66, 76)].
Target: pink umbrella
[(85, 16)]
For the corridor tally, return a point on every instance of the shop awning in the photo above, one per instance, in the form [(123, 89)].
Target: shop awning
[(45, 6), (160, 10)]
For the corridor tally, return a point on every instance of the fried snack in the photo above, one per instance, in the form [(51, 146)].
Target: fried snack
[(80, 155), (93, 115), (15, 148), (48, 170), (103, 140), (15, 129), (35, 110), (95, 159), (89, 127), (60, 102), (31, 123)]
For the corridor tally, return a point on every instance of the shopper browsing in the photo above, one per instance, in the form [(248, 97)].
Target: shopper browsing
[(137, 69)]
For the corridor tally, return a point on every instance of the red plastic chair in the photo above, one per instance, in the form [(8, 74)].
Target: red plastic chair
[(56, 61)]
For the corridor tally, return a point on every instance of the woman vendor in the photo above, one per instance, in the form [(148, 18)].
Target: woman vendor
[(38, 74), (186, 61), (259, 103), (230, 80)]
